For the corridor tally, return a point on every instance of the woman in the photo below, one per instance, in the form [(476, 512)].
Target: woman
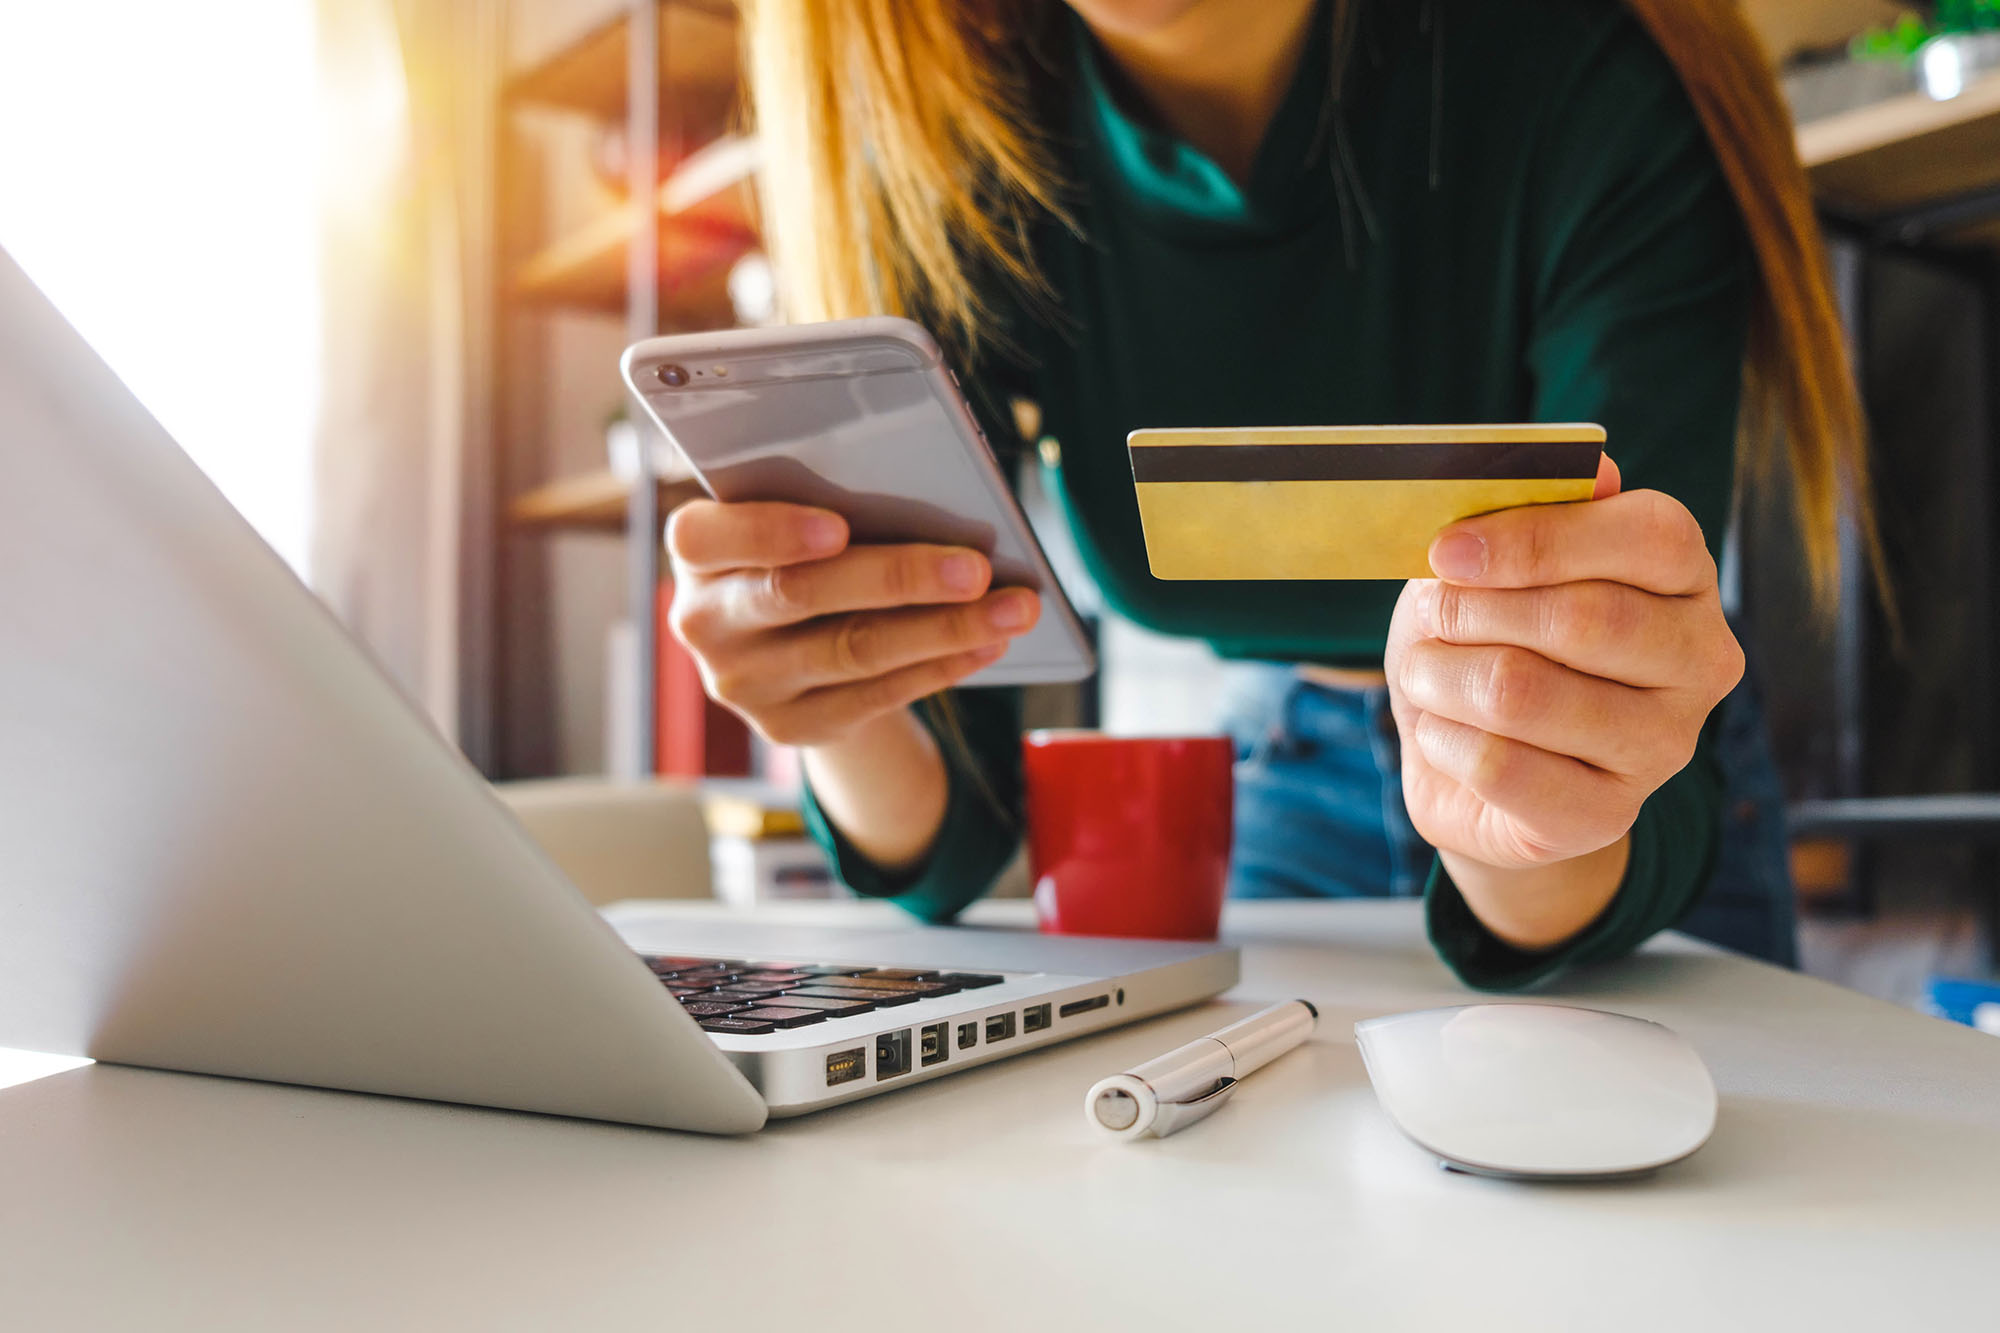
[(1272, 212)]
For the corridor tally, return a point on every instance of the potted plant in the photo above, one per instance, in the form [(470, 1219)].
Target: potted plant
[(1828, 68), (1957, 42)]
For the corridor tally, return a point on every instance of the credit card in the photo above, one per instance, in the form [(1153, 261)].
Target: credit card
[(1340, 502)]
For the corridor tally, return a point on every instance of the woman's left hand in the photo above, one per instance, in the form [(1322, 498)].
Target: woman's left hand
[(1558, 670)]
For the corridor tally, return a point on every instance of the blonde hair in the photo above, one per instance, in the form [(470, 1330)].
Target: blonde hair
[(904, 159)]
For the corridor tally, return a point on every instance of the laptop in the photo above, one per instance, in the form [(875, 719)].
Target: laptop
[(228, 845)]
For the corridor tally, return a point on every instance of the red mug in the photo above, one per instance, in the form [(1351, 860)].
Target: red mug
[(1129, 835)]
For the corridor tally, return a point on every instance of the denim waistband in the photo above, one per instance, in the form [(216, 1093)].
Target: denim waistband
[(1318, 790), (1265, 698)]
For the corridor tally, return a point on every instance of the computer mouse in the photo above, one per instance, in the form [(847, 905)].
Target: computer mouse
[(1540, 1091)]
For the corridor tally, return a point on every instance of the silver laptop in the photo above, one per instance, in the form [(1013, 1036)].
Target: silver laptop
[(229, 846)]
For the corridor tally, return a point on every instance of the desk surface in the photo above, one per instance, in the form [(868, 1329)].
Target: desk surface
[(1853, 1183)]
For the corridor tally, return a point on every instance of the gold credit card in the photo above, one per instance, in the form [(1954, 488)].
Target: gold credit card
[(1340, 502)]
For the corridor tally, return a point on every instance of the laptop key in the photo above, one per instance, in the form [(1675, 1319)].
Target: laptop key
[(803, 969), (742, 1027), (831, 1008), (819, 970), (781, 1016), (905, 987), (713, 1008), (970, 980), (902, 974), (661, 963), (738, 990), (680, 992), (881, 999), (763, 978)]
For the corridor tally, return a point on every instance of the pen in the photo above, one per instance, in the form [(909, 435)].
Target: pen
[(1187, 1084)]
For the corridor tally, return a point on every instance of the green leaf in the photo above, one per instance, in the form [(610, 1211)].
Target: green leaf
[(1900, 40), (1968, 15)]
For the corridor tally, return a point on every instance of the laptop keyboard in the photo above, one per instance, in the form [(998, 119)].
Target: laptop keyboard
[(746, 999)]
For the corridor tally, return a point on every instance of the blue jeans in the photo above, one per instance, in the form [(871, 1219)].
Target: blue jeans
[(1319, 809)]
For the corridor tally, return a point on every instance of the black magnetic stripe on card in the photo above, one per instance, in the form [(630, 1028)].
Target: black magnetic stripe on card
[(1543, 460)]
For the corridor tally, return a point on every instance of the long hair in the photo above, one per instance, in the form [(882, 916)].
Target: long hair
[(903, 155)]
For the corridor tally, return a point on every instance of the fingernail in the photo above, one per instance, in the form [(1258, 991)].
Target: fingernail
[(1009, 613), (824, 532), (1427, 608), (959, 573), (1459, 555)]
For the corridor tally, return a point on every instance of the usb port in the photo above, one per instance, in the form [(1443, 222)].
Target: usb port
[(1075, 1007), (1035, 1018), (934, 1046), (968, 1036), (999, 1027), (892, 1054), (846, 1066)]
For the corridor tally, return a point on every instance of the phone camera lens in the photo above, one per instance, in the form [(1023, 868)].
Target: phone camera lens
[(673, 376)]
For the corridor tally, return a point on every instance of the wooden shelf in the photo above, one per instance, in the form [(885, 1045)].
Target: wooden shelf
[(1907, 152), (594, 502), (708, 222), (588, 271), (698, 65), (1790, 26)]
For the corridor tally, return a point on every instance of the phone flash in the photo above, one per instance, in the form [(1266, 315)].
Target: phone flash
[(722, 372)]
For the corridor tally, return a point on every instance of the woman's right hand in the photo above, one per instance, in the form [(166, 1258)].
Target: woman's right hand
[(807, 638)]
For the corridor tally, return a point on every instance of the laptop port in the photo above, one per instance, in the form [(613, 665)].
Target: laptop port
[(1075, 1007), (968, 1036), (934, 1044), (892, 1054), (1035, 1018), (999, 1027), (846, 1066)]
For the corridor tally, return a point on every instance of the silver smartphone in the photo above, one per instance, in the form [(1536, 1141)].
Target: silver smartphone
[(862, 417)]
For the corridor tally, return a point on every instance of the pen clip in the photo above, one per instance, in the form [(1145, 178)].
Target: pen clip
[(1171, 1116)]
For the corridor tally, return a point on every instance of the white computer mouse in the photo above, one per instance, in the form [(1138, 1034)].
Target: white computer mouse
[(1540, 1091)]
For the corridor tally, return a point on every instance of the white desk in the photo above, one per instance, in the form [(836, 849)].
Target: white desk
[(1853, 1183)]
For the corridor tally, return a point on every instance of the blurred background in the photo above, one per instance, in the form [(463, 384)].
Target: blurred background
[(373, 261)]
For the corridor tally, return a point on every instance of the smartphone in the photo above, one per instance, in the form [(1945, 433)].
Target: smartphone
[(862, 417)]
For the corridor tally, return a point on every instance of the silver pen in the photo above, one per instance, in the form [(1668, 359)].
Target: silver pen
[(1187, 1084)]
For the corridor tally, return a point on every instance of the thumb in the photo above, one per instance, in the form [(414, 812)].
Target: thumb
[(1609, 483)]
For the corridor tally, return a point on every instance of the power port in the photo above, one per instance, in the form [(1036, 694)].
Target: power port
[(846, 1066), (1035, 1018), (892, 1054), (999, 1027), (934, 1045), (968, 1036)]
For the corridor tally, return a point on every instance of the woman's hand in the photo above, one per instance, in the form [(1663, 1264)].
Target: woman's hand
[(809, 639), (1554, 675)]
